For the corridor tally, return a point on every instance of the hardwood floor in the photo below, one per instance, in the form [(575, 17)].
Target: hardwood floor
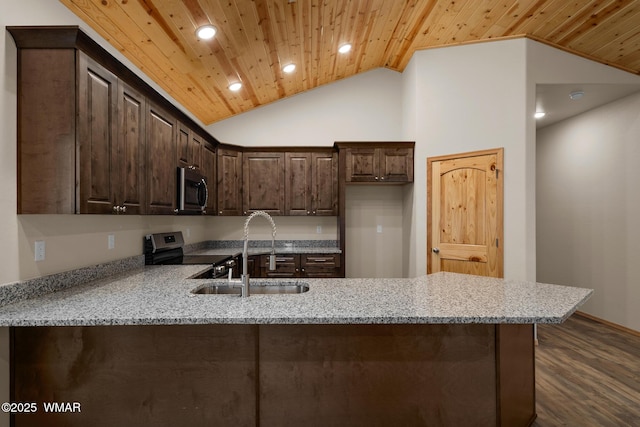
[(587, 374)]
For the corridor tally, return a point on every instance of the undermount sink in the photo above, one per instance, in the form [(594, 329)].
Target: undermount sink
[(265, 288)]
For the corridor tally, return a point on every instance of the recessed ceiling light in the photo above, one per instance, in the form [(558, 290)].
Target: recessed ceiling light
[(289, 68), (344, 48), (539, 114), (206, 32), (576, 94), (234, 87)]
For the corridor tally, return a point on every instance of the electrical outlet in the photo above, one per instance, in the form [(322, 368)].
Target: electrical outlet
[(379, 228), (39, 250), (188, 232), (319, 229), (111, 241)]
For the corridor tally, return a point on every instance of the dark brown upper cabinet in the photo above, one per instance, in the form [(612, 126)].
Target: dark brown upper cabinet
[(263, 182), (378, 162), (131, 153), (70, 105), (229, 183), (162, 131), (93, 137), (189, 148), (311, 183), (209, 168)]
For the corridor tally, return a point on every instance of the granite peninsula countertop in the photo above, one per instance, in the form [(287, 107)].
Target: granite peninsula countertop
[(156, 295)]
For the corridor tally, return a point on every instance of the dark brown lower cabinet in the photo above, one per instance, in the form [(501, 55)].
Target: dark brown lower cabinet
[(276, 375), (302, 265)]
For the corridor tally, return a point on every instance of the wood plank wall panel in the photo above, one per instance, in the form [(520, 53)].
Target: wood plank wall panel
[(256, 38), (137, 375), (377, 375)]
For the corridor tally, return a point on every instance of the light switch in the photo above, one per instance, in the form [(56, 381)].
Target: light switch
[(111, 241), (379, 228)]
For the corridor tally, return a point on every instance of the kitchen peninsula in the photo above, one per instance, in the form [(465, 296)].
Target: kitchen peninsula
[(141, 349)]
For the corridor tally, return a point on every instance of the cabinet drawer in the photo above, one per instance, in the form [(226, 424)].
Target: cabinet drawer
[(286, 266), (320, 265), (320, 260)]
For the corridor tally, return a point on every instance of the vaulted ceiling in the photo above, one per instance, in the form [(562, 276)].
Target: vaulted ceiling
[(256, 38)]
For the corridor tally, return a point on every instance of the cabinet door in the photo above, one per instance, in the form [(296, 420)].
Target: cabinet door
[(362, 164), (324, 184), (263, 183), (298, 183), (131, 159), (97, 140), (161, 161), (229, 182), (189, 146), (396, 165), (46, 131), (209, 172)]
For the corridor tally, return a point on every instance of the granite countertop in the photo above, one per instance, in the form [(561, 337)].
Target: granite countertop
[(161, 295)]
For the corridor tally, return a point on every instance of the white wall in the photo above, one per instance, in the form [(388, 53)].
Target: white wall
[(469, 98), (588, 206), (366, 107)]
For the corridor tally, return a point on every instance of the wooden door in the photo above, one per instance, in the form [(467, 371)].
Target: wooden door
[(131, 187), (97, 138), (161, 161), (324, 184), (297, 199), (229, 183), (263, 182), (362, 164), (396, 165), (189, 148), (465, 213)]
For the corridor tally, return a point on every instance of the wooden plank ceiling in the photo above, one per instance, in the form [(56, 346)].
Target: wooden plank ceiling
[(257, 37)]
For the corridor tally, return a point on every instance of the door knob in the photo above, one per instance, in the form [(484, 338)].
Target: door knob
[(435, 250)]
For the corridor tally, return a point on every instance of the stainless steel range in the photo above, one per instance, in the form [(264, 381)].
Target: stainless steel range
[(168, 248)]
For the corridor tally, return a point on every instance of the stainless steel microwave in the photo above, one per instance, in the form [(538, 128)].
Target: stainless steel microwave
[(192, 192)]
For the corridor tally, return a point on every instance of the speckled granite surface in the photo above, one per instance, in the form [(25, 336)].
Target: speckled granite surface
[(161, 295), (18, 291)]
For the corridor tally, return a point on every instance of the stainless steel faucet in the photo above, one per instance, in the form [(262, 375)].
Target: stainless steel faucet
[(245, 250)]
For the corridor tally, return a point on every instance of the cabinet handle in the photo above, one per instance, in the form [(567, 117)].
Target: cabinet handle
[(314, 212), (382, 177), (220, 213), (318, 259), (376, 178), (308, 213), (123, 209), (115, 209)]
